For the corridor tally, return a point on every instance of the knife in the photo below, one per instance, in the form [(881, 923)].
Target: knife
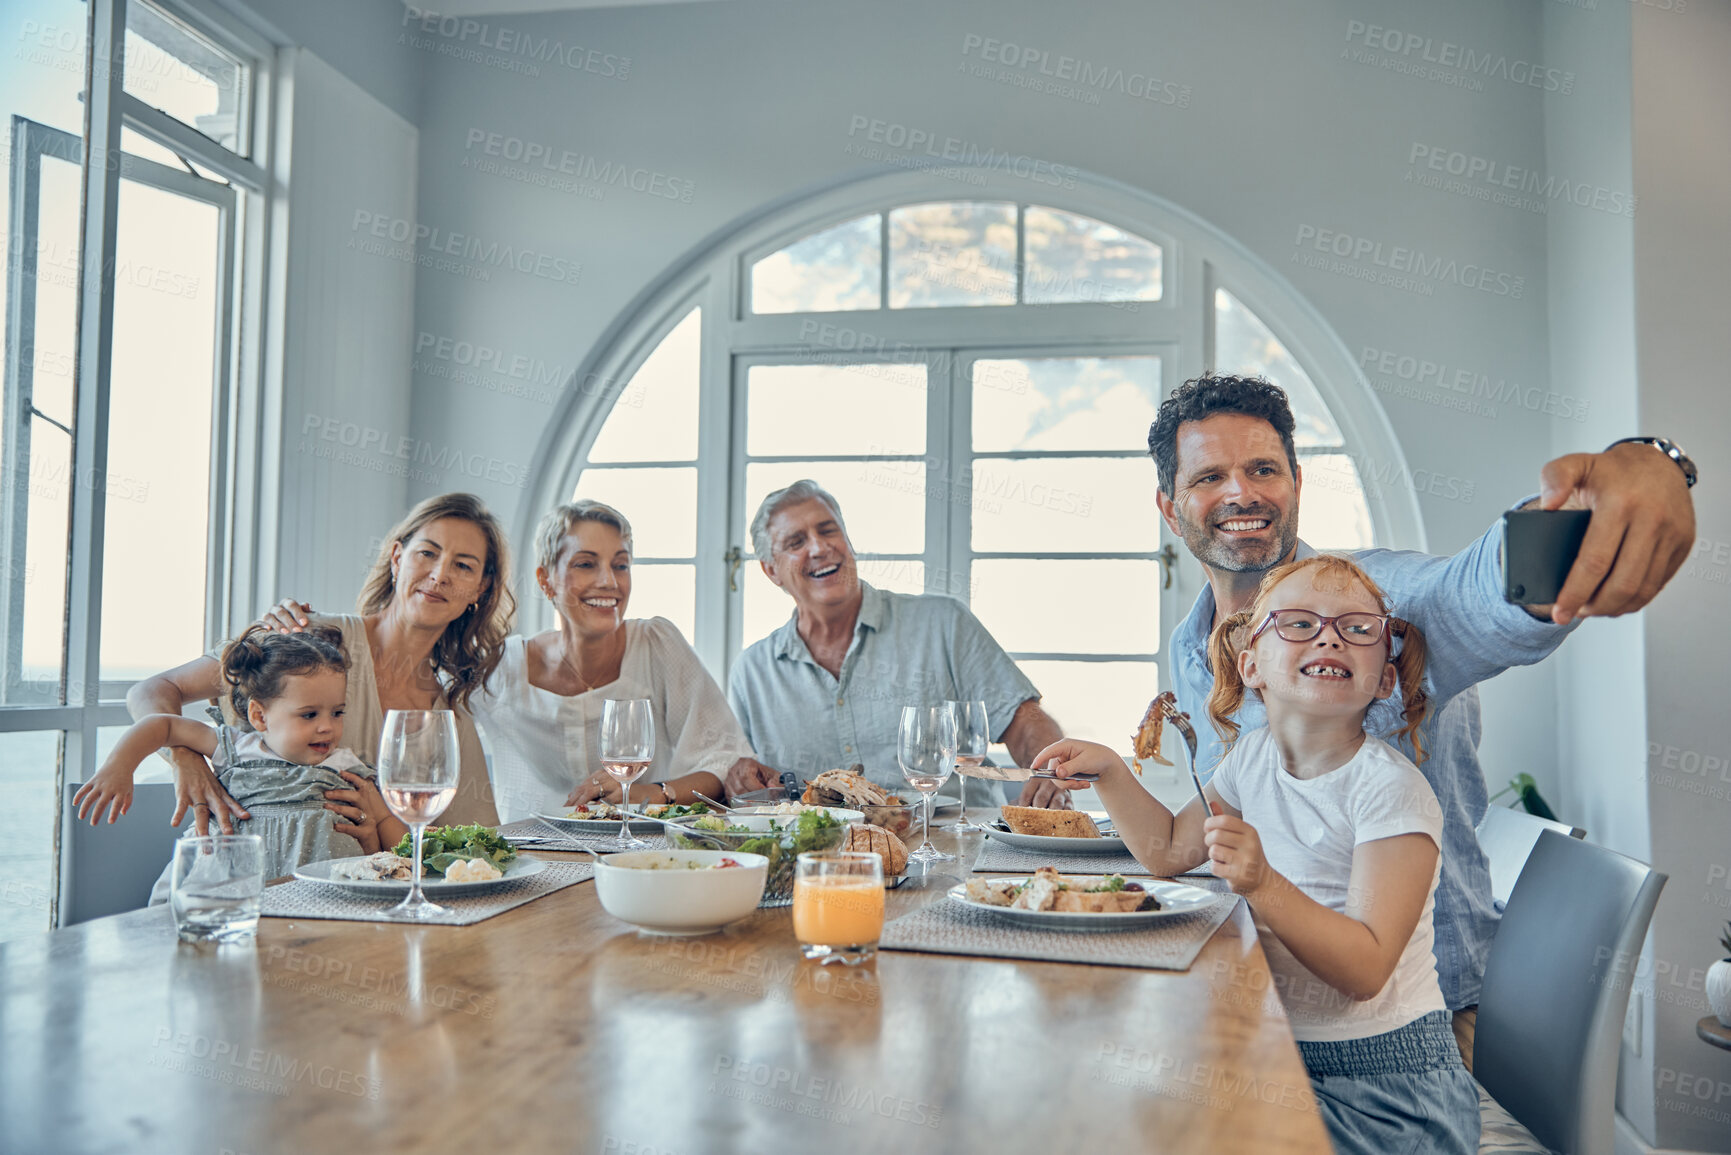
[(1018, 774)]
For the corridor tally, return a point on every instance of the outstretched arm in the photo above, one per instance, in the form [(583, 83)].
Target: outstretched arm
[(1165, 843), (195, 786), (111, 786)]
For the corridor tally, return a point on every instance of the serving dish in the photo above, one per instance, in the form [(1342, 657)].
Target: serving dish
[(675, 900)]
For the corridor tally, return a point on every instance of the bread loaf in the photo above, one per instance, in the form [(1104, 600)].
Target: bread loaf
[(1050, 823), (865, 839)]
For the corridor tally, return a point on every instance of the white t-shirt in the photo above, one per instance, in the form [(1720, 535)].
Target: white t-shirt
[(1309, 830), (544, 744)]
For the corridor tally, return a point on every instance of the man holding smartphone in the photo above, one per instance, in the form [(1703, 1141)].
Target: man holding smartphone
[(1230, 484)]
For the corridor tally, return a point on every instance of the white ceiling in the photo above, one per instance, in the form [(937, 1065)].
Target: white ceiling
[(506, 7)]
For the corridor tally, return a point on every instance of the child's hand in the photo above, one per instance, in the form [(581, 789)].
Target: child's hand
[(111, 787), (1074, 757), (1236, 851)]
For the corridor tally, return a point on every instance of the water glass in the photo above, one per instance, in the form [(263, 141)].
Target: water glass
[(838, 905), (214, 887), (973, 739)]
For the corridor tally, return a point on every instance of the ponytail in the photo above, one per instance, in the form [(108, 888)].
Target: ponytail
[(1409, 669), (1228, 693)]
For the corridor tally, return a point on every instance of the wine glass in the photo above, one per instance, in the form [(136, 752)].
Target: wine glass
[(973, 737), (418, 769), (926, 749), (627, 749)]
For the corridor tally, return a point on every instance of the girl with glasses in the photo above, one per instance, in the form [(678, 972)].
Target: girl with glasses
[(1333, 837)]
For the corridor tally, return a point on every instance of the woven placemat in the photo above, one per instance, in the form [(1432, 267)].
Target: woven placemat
[(1002, 858), (948, 927), (567, 842), (302, 899)]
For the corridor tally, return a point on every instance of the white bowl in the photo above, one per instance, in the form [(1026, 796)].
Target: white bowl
[(676, 900)]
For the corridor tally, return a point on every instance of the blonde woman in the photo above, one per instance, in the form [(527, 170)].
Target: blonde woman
[(433, 616)]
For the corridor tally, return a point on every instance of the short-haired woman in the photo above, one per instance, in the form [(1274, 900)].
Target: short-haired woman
[(541, 709)]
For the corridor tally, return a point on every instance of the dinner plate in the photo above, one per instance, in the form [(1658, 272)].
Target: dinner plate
[(435, 886), (598, 825), (1175, 898)]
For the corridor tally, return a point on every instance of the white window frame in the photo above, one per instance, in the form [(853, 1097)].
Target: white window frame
[(239, 404), (1197, 258)]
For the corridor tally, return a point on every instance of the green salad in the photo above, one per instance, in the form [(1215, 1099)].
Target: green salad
[(782, 843), (443, 845)]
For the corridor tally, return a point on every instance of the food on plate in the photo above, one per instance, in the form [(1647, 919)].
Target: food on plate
[(868, 839), (1049, 823), (848, 788), (672, 863), (472, 870), (613, 812), (782, 843), (442, 846), (381, 867), (1147, 738), (780, 809), (1049, 890)]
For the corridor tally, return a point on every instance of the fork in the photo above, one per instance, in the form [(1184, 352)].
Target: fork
[(1181, 723)]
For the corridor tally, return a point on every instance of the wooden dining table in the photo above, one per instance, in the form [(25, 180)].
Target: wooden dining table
[(554, 1027)]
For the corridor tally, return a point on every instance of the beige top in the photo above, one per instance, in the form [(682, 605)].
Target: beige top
[(364, 722)]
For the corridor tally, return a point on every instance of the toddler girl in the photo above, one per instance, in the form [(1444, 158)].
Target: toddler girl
[(290, 689), (1333, 837)]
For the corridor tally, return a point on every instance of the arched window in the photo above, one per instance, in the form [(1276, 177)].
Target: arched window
[(974, 379)]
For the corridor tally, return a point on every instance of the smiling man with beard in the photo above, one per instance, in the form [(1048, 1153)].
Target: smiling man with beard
[(827, 688), (1230, 484)]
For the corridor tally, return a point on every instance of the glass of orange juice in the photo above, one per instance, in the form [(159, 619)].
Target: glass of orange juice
[(838, 905)]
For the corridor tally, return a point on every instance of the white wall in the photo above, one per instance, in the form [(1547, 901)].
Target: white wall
[(1682, 169), (347, 339), (1283, 128)]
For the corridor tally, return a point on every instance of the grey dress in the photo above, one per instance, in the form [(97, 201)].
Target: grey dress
[(286, 801)]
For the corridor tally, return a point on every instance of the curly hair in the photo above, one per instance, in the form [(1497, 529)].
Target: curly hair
[(472, 646), (1203, 397), (256, 664), (1232, 633)]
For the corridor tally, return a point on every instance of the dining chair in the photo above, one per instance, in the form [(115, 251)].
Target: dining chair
[(1507, 837), (1556, 989), (111, 869)]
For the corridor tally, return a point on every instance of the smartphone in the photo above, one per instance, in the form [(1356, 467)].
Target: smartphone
[(1539, 546)]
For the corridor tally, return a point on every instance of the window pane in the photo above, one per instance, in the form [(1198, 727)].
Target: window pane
[(1245, 346), (1065, 403), (660, 504), (172, 68), (654, 417), (1077, 258), (27, 765), (160, 448), (767, 607), (665, 591), (837, 269), (882, 502), (1096, 701), (1112, 607), (1076, 504), (834, 409), (954, 253), (1332, 513)]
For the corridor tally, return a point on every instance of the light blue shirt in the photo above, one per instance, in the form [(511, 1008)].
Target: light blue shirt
[(907, 650), (1471, 634)]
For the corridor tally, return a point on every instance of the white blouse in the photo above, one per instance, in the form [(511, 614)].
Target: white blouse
[(544, 744)]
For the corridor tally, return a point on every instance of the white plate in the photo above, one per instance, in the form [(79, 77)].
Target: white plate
[(435, 886), (1175, 898), (1107, 843), (839, 813), (598, 825)]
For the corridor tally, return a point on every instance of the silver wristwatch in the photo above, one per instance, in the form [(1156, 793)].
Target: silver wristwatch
[(1670, 449)]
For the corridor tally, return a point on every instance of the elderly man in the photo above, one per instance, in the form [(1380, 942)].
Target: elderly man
[(826, 689), (1229, 485)]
